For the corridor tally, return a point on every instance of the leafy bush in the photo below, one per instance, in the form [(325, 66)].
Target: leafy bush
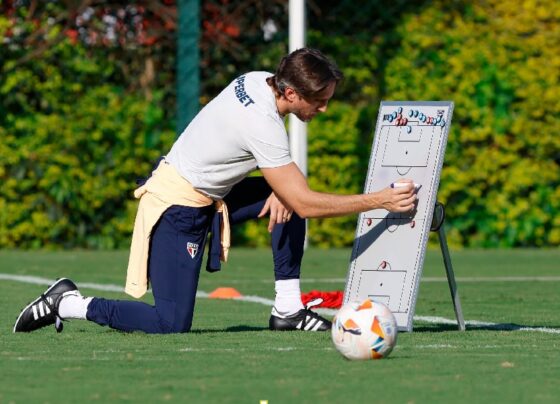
[(77, 128), (498, 61), (72, 147), (336, 164)]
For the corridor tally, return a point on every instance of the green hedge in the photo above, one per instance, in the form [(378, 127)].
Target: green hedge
[(71, 148), (336, 164), (499, 61), (73, 137)]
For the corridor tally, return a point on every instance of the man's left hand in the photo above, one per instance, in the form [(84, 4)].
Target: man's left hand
[(279, 213)]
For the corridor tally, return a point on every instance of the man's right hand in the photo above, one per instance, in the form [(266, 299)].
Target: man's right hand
[(398, 199)]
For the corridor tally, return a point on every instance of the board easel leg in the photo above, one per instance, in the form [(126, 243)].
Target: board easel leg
[(437, 225)]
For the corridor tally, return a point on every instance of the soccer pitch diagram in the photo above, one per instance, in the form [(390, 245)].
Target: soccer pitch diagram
[(389, 248)]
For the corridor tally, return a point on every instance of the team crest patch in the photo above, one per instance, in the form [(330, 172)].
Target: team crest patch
[(192, 249)]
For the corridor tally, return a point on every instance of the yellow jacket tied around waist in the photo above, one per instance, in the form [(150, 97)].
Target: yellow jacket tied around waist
[(162, 190)]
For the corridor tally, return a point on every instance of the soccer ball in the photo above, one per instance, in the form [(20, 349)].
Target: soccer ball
[(364, 330)]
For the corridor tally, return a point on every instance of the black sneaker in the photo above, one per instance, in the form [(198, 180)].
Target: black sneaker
[(43, 311), (304, 320)]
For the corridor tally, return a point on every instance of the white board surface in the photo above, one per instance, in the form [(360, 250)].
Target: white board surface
[(389, 248)]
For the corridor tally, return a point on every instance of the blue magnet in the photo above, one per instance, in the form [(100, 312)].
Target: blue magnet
[(410, 113), (400, 110), (390, 118), (394, 115), (416, 113), (408, 129), (442, 123)]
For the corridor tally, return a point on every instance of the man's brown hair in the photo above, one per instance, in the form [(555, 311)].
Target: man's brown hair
[(307, 71)]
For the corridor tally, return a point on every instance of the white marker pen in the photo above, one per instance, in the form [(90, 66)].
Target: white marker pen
[(404, 184)]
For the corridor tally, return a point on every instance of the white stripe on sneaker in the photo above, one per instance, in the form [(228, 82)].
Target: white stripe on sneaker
[(41, 311), (319, 324), (311, 322), (35, 315)]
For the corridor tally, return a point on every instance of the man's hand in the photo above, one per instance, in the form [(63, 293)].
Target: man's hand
[(398, 199), (279, 213)]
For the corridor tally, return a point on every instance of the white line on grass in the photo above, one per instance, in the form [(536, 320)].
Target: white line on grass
[(269, 302), (495, 279), (487, 325), (466, 279), (462, 347), (36, 280), (252, 349), (460, 279)]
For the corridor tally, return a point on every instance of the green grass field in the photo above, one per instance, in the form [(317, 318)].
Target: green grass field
[(231, 357)]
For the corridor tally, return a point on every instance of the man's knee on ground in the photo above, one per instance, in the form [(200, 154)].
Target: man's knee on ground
[(171, 319), (175, 328)]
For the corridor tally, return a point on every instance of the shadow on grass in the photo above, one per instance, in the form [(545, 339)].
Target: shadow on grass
[(513, 327), (237, 328), (487, 327), (435, 328)]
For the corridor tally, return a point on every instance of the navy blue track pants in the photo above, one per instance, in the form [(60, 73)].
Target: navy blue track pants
[(176, 250)]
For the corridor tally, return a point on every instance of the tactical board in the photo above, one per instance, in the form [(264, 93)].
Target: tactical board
[(389, 248)]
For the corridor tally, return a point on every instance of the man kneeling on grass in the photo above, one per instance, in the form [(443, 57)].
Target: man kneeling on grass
[(201, 186)]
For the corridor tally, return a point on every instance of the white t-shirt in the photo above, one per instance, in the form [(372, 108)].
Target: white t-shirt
[(237, 131)]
